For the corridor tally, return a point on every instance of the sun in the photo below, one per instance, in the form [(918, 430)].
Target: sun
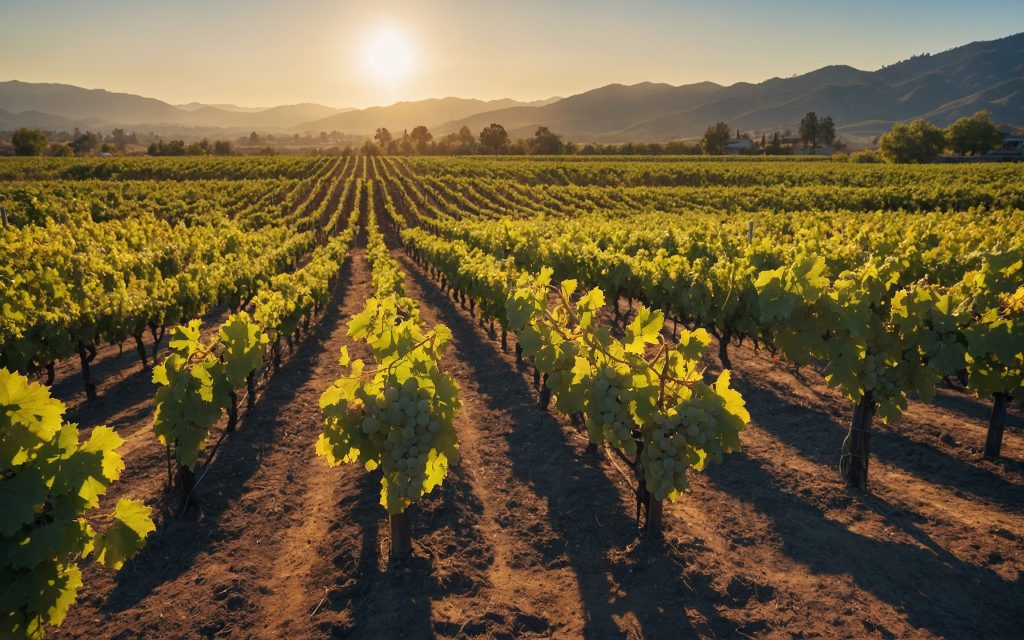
[(388, 56)]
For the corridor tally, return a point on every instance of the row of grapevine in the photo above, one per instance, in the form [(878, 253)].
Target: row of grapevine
[(632, 172), (201, 380), (396, 411), (157, 168), (70, 287), (52, 484), (710, 281), (641, 395)]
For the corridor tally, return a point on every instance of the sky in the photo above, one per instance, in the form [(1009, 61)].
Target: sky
[(358, 54)]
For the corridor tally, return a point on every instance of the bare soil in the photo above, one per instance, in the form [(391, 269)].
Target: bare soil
[(533, 533)]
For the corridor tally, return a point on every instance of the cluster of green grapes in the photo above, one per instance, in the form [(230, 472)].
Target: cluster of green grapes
[(881, 375), (671, 445), (607, 413), (401, 424)]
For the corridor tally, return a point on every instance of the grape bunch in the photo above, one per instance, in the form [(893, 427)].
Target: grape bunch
[(881, 376), (401, 423), (672, 444), (607, 413)]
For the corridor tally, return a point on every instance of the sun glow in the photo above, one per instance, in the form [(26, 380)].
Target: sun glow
[(388, 57)]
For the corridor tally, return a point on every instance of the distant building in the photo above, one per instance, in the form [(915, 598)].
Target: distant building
[(739, 146), (813, 151), (1012, 149)]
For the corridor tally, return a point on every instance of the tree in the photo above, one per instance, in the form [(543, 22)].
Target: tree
[(60, 151), (919, 141), (715, 139), (546, 142), (383, 137), (29, 142), (810, 129), (827, 131), (465, 138), (169, 148), (975, 134), (201, 148), (459, 143), (370, 149), (121, 139), (420, 139), (85, 142), (494, 138), (222, 148)]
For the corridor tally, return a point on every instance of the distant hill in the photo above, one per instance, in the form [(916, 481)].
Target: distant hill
[(406, 115), (940, 87), (195, 106), (62, 106)]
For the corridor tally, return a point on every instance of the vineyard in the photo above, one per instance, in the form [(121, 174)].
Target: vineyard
[(524, 397)]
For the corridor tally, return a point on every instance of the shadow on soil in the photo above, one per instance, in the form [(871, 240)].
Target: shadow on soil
[(818, 436), (936, 590), (585, 506), (171, 550)]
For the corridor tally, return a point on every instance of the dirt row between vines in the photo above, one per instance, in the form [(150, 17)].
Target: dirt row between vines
[(771, 543), (532, 535)]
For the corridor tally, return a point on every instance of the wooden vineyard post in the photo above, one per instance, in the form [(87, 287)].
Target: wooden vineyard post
[(853, 465), (996, 424), (401, 535)]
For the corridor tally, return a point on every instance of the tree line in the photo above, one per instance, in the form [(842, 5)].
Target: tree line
[(917, 141), (921, 141), (492, 139), (33, 142), (814, 132)]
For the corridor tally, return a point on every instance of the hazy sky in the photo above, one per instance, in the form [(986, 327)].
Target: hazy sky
[(262, 53)]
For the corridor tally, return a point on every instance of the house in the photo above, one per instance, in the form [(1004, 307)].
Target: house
[(1012, 149), (813, 151), (740, 146)]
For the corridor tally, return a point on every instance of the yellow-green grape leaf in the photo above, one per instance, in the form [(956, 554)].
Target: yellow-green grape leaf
[(186, 338), (123, 540), (643, 330), (28, 417)]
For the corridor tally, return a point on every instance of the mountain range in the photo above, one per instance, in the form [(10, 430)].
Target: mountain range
[(939, 87)]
